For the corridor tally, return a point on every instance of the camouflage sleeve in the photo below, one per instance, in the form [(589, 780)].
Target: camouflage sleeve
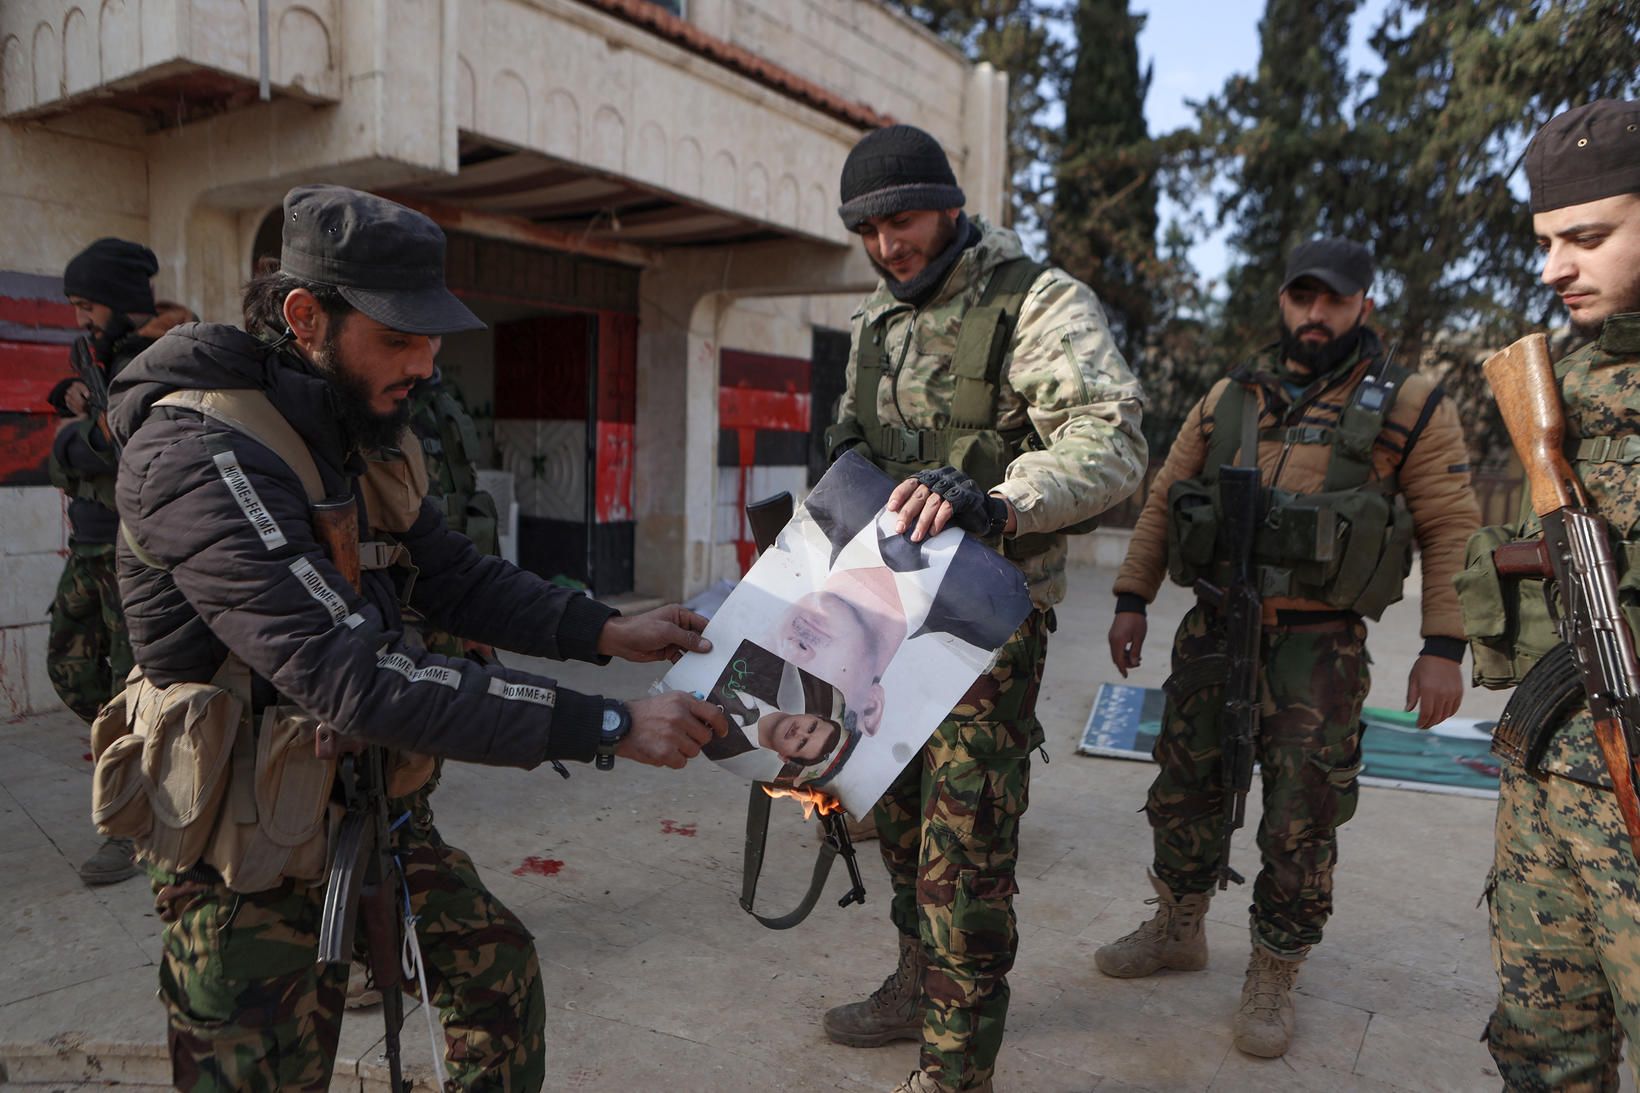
[(1145, 564), (845, 408), (1084, 403), (1435, 482)]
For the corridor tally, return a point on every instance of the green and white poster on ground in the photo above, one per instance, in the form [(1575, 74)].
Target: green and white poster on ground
[(1452, 757)]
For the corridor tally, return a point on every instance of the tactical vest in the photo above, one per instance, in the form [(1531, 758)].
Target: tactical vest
[(77, 485), (1507, 618), (1348, 546), (450, 448), (970, 440), (188, 772)]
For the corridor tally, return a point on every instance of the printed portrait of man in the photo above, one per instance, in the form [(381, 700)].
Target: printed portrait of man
[(776, 708), (881, 588)]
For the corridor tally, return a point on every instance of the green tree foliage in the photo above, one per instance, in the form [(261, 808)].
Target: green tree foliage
[(1102, 228), (1014, 36), (1437, 184), (1271, 147)]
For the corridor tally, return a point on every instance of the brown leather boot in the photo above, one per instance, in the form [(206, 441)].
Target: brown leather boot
[(1173, 938), (1264, 1024), (893, 1012)]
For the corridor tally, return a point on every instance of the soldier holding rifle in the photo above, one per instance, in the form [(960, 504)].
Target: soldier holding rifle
[(1290, 502), (243, 483), (1565, 909)]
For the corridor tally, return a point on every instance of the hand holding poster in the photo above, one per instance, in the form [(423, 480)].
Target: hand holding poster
[(847, 644)]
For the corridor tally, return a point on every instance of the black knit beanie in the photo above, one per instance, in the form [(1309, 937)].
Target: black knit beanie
[(895, 169), (115, 273)]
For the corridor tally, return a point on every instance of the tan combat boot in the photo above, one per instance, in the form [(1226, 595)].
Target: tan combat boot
[(1264, 1023), (920, 1082), (1173, 938), (893, 1012)]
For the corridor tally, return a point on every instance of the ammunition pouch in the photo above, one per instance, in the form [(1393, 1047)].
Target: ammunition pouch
[(1507, 618), (841, 437), (1551, 690), (1348, 549)]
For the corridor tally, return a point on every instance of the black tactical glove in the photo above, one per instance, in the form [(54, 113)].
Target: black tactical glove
[(971, 509)]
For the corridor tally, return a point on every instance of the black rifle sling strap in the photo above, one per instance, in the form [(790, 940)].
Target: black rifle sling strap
[(757, 830), (757, 837)]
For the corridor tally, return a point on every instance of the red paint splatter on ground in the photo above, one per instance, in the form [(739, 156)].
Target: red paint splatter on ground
[(86, 757), (671, 827), (541, 867)]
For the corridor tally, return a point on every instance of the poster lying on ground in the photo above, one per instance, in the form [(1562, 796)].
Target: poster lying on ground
[(1453, 757), (846, 644)]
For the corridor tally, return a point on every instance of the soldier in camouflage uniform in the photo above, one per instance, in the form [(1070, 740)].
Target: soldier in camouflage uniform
[(991, 385), (87, 653), (1335, 420), (1565, 910)]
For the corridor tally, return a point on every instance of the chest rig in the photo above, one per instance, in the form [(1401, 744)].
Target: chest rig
[(970, 440), (1348, 546)]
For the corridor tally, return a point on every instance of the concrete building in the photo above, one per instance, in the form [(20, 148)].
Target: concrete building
[(641, 204)]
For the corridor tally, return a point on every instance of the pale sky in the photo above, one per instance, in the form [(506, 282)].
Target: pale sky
[(1195, 47)]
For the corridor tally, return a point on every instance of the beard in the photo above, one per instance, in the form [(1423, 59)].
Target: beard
[(1319, 358), (1628, 297), (942, 242), (364, 427)]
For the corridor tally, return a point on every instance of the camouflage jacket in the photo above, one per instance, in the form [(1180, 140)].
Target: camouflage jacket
[(1600, 391), (1063, 375)]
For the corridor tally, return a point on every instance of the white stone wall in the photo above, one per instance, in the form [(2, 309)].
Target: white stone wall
[(67, 181), (32, 548), (54, 53)]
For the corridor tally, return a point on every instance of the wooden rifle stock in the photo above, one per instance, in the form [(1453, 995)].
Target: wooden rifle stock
[(1523, 383), (337, 525)]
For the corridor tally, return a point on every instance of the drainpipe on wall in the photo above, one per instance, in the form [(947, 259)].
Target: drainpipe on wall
[(265, 89)]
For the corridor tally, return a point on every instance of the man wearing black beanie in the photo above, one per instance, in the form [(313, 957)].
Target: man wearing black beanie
[(88, 655), (990, 385)]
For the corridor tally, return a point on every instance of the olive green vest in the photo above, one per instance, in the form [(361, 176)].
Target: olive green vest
[(970, 441), (1348, 546)]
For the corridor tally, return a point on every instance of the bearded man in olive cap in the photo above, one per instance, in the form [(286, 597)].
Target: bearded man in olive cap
[(1565, 908), (989, 384)]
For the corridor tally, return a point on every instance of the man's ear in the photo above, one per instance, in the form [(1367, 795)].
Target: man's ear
[(1367, 307), (305, 318), (871, 713)]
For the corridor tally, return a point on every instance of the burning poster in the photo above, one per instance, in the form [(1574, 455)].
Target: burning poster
[(846, 644)]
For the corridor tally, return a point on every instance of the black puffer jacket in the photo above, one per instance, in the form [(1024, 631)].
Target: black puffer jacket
[(228, 521)]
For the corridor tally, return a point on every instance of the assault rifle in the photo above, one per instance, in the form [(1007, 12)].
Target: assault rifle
[(363, 876), (1240, 607), (1576, 553), (90, 373)]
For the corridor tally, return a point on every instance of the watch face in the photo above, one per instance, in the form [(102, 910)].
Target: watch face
[(612, 722)]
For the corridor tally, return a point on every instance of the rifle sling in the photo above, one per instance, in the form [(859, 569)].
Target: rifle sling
[(757, 833)]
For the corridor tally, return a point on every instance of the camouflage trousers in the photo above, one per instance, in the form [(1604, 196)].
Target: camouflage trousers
[(88, 654), (949, 826), (1565, 916), (249, 1009), (1314, 681)]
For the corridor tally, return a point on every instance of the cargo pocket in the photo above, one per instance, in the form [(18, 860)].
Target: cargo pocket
[(1344, 783), (286, 833), (162, 782), (982, 929)]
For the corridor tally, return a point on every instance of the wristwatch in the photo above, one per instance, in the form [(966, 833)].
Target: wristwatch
[(617, 723)]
